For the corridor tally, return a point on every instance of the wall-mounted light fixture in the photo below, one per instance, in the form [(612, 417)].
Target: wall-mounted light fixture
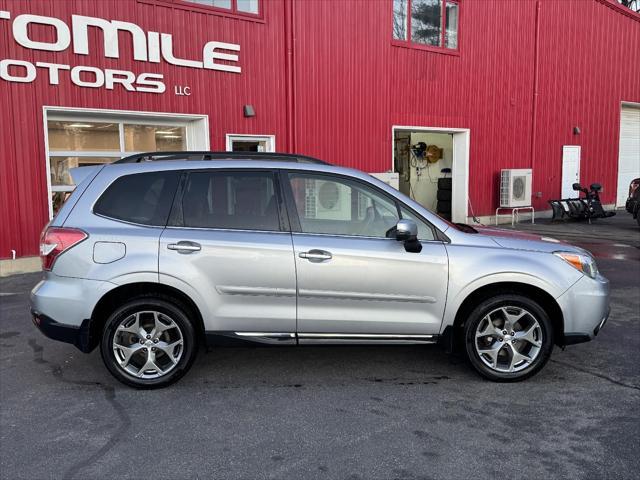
[(249, 111), (576, 130)]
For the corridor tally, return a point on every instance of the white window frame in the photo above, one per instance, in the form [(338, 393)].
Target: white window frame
[(196, 132), (233, 137)]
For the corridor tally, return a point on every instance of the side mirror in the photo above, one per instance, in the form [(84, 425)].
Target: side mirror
[(407, 232), (576, 187)]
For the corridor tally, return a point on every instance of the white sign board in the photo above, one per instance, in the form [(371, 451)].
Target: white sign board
[(570, 170)]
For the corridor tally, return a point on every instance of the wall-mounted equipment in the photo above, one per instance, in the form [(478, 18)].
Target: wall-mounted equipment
[(434, 153), (515, 188)]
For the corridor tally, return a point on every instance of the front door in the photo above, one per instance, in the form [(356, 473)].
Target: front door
[(228, 244), (353, 281)]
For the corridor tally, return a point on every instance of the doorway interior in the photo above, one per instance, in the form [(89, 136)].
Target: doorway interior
[(432, 165)]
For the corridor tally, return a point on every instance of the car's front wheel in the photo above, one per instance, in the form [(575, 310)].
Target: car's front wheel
[(148, 343), (508, 338)]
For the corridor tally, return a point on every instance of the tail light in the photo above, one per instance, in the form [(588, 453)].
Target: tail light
[(633, 186), (54, 241)]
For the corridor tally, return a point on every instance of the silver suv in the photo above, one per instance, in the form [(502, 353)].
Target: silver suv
[(153, 259)]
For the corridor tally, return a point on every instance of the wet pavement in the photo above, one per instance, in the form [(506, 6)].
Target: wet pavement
[(331, 412)]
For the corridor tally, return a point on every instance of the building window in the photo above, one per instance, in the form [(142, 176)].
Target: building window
[(251, 7), (431, 24), (74, 143)]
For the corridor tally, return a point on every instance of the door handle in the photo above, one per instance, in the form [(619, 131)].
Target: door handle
[(185, 247), (316, 255)]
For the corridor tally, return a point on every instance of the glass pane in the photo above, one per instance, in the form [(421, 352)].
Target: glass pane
[(248, 6), (233, 200), (212, 3), (154, 138), (426, 22), (59, 167), (339, 206), (83, 136), (400, 19), (451, 33), (140, 198), (424, 229)]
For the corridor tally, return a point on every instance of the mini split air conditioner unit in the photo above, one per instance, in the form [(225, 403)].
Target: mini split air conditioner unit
[(515, 188)]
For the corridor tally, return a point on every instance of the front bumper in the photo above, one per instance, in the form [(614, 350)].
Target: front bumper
[(585, 308), (573, 338), (81, 336)]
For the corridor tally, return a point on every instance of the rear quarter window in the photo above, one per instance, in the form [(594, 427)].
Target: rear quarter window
[(143, 198)]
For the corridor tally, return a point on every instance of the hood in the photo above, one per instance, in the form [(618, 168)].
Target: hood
[(526, 241)]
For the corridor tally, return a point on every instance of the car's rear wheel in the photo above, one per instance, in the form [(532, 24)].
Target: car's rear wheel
[(148, 343), (508, 338)]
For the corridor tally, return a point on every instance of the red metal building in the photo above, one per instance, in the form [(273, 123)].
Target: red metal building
[(490, 84)]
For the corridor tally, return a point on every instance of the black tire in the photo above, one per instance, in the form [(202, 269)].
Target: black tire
[(444, 183), (167, 307), (443, 207), (444, 195), (490, 305)]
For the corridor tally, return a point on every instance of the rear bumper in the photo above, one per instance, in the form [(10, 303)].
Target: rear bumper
[(80, 336)]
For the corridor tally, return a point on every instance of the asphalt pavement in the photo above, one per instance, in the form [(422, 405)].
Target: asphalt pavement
[(332, 412)]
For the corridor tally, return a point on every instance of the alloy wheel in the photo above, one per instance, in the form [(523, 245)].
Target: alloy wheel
[(148, 344), (508, 339)]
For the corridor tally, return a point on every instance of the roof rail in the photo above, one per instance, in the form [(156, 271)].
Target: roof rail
[(205, 155)]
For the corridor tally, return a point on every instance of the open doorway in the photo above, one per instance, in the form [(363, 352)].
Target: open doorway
[(432, 165)]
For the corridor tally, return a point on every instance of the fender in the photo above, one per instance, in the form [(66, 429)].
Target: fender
[(471, 268)]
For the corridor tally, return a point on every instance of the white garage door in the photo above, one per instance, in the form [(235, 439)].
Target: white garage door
[(629, 159)]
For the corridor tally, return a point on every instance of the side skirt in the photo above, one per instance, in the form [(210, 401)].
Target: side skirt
[(215, 338)]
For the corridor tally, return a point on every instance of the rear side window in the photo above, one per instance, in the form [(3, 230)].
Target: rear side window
[(230, 200), (143, 198)]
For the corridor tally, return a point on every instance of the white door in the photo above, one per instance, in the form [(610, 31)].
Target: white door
[(629, 156), (570, 170)]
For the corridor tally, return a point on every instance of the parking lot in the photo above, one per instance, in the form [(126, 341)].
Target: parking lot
[(332, 412)]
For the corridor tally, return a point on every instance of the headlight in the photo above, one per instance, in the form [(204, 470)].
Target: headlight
[(585, 263)]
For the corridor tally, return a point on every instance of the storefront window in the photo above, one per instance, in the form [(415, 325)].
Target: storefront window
[(60, 166), (153, 138), (80, 143), (426, 23), (83, 136)]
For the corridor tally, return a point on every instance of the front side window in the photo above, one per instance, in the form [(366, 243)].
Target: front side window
[(426, 23), (425, 231), (230, 200), (143, 198), (338, 206)]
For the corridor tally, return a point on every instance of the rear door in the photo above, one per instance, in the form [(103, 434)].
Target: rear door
[(353, 280), (229, 245)]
